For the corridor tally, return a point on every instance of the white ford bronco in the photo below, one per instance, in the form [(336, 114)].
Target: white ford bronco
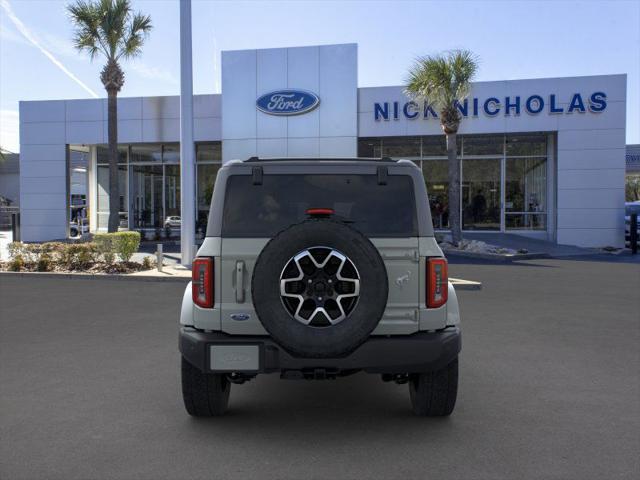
[(315, 269)]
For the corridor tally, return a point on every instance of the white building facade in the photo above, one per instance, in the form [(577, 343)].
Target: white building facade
[(543, 157)]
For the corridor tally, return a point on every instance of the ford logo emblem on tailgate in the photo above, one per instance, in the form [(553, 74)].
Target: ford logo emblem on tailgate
[(240, 317), (287, 102)]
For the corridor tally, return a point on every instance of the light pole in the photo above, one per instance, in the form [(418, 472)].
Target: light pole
[(187, 147)]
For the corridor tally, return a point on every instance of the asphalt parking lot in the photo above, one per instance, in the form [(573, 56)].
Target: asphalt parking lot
[(550, 388)]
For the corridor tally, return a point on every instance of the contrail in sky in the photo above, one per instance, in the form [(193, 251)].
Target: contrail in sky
[(24, 30)]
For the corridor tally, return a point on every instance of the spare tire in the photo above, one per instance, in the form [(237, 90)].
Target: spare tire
[(319, 288)]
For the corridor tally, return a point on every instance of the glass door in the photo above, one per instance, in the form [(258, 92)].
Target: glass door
[(481, 194), (526, 193), (146, 195)]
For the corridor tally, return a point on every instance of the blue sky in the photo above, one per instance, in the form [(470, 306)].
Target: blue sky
[(513, 40)]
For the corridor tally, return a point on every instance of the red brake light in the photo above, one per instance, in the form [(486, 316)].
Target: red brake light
[(437, 282), (202, 282), (320, 211)]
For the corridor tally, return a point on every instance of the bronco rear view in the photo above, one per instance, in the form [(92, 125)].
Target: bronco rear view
[(316, 269)]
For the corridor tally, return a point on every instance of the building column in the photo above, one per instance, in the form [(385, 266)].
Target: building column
[(187, 147)]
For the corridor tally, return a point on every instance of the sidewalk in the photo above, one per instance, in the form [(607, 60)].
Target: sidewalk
[(517, 242)]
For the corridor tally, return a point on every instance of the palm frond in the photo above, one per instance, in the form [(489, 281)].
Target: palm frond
[(442, 80), (108, 27), (139, 29)]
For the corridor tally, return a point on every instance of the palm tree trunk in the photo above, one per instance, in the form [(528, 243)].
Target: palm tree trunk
[(114, 192), (454, 189)]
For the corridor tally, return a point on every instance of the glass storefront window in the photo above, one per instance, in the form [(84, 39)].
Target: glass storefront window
[(207, 173), (209, 161), (481, 194), (524, 179), (526, 145), (171, 153), (102, 154), (435, 174), (209, 152), (150, 184), (171, 194), (401, 147), (436, 146), (146, 195), (482, 145), (526, 193), (525, 221), (370, 147), (103, 195), (146, 152)]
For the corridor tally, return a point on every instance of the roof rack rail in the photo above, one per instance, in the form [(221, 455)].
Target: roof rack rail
[(331, 159)]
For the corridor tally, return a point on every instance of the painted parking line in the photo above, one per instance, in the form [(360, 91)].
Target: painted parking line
[(462, 284)]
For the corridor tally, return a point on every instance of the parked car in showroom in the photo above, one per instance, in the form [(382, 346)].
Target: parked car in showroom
[(172, 221), (317, 269)]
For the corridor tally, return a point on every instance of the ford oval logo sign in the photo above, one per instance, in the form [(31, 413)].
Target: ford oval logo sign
[(287, 102)]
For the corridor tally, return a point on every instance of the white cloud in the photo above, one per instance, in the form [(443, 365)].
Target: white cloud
[(9, 127), (26, 33)]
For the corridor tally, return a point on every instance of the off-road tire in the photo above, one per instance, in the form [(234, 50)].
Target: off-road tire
[(204, 394), (433, 394), (332, 341)]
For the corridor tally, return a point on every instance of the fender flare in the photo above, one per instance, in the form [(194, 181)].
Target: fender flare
[(453, 310), (186, 310)]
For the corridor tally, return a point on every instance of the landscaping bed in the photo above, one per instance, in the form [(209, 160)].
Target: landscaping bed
[(485, 251), (108, 253)]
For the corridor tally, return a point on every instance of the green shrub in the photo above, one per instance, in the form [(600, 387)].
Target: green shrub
[(44, 263), (16, 263), (126, 244), (147, 263), (105, 246), (77, 256)]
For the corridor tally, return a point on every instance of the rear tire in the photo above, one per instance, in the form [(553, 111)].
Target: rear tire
[(204, 394), (433, 394)]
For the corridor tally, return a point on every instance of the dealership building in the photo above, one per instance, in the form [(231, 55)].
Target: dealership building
[(543, 157)]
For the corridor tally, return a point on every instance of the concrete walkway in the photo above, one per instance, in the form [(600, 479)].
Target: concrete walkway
[(516, 242)]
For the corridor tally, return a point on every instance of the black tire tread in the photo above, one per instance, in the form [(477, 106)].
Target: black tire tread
[(204, 394), (433, 394)]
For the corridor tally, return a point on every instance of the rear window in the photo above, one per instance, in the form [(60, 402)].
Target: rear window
[(282, 200)]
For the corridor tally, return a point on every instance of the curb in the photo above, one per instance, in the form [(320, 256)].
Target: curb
[(497, 257), (99, 276)]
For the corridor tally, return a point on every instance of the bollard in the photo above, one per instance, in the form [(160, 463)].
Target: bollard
[(159, 257), (15, 227), (633, 233)]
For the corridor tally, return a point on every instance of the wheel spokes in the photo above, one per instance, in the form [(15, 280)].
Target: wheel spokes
[(319, 282)]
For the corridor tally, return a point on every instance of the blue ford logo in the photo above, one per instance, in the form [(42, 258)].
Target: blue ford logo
[(287, 102), (240, 317)]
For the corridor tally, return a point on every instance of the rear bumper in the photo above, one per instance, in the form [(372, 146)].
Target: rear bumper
[(420, 352)]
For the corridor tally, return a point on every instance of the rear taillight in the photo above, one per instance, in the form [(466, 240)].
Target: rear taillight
[(202, 282), (437, 282)]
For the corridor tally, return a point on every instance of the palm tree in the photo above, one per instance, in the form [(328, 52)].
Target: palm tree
[(443, 81), (110, 28)]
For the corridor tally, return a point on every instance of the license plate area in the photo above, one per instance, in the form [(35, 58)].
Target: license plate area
[(234, 358)]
